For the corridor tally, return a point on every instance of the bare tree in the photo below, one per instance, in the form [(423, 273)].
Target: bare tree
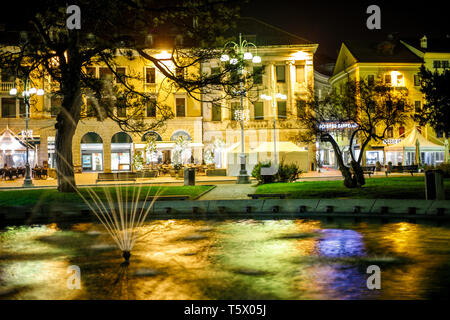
[(363, 111)]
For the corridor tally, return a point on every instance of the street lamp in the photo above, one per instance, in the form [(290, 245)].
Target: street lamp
[(241, 52), (274, 98), (27, 182)]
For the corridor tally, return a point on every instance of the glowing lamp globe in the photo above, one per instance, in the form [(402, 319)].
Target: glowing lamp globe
[(256, 59), (248, 56)]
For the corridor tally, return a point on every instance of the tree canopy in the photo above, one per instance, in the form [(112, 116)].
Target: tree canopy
[(436, 109), (45, 47), (363, 111)]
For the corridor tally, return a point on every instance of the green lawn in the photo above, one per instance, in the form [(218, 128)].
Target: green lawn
[(375, 188), (52, 196)]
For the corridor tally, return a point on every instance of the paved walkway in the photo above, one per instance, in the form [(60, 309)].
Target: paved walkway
[(229, 192), (88, 179)]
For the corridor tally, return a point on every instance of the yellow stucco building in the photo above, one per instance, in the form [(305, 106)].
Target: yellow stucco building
[(396, 63), (100, 145)]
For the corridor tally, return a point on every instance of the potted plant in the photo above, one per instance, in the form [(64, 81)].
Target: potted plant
[(177, 168), (138, 162)]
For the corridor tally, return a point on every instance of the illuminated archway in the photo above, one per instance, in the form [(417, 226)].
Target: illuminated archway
[(91, 152)]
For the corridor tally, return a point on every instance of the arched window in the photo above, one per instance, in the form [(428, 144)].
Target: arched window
[(91, 137), (91, 152), (180, 133), (121, 137), (151, 134)]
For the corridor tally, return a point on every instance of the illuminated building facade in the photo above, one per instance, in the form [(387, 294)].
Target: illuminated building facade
[(99, 145), (396, 63)]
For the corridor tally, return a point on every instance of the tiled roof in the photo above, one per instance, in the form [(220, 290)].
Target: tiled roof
[(384, 51), (264, 34)]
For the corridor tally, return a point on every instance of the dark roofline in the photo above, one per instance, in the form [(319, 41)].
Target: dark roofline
[(411, 58), (306, 41)]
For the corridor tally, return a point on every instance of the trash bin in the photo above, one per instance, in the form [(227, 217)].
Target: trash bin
[(434, 185), (189, 176)]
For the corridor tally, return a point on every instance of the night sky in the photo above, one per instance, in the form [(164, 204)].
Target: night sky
[(330, 22)]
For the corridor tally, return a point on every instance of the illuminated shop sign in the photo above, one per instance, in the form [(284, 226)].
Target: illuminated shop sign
[(26, 133), (392, 141), (337, 125)]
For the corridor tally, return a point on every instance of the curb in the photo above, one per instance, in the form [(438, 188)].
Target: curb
[(381, 209)]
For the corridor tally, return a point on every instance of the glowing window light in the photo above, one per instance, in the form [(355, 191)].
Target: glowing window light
[(397, 79)]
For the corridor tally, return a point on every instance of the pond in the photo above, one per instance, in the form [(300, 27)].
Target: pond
[(230, 259)]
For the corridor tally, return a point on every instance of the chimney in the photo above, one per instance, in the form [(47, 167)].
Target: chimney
[(423, 42)]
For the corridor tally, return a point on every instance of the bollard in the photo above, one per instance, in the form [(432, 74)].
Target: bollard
[(167, 210), (330, 209), (357, 209), (411, 210), (302, 209), (434, 185), (384, 210), (275, 209), (248, 209), (194, 210), (189, 176), (221, 209)]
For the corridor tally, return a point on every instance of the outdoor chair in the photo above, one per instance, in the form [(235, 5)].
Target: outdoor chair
[(44, 174)]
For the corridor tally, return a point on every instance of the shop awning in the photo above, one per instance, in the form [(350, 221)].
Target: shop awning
[(281, 146), (10, 142), (168, 145), (409, 144)]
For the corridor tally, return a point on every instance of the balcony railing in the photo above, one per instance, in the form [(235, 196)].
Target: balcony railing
[(6, 86)]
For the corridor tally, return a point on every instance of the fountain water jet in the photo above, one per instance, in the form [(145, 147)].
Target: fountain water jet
[(121, 218)]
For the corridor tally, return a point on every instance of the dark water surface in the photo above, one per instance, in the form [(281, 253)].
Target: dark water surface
[(235, 259)]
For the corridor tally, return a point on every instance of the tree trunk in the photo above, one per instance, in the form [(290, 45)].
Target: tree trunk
[(64, 164), (349, 179), (358, 173), (66, 124)]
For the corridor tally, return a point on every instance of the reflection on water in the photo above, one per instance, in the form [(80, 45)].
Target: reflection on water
[(246, 259)]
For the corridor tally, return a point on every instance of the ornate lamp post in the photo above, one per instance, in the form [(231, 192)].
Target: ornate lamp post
[(241, 51), (27, 182)]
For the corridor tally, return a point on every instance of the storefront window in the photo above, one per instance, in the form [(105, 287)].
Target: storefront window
[(120, 161), (372, 157), (91, 152), (121, 146)]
